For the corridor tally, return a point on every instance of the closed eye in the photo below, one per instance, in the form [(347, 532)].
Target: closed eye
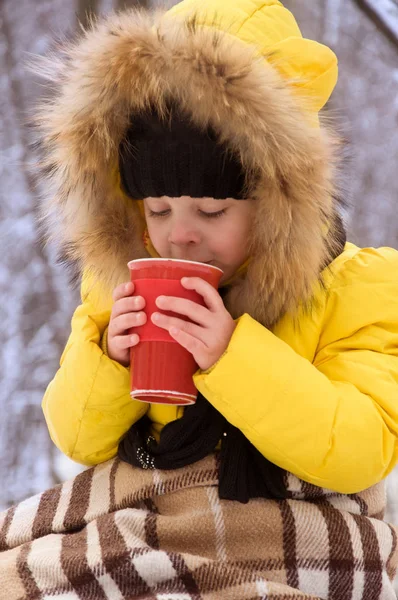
[(163, 213), (212, 215), (207, 215)]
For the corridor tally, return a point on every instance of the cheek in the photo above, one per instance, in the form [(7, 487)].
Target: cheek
[(238, 236), (158, 236)]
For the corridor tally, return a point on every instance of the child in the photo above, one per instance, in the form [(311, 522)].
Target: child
[(196, 135)]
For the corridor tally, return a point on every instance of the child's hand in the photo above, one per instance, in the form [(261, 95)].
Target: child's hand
[(125, 314), (208, 336)]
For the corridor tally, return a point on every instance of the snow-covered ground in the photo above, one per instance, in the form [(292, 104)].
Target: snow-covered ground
[(36, 301)]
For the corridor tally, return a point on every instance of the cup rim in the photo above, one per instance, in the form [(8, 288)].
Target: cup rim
[(192, 262)]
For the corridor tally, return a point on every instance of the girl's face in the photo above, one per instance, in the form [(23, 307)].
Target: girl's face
[(201, 229)]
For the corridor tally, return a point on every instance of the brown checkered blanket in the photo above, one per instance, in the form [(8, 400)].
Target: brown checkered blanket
[(117, 532)]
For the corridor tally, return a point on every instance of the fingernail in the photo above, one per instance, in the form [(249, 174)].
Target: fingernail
[(156, 316)]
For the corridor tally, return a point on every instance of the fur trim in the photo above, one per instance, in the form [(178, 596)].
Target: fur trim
[(131, 60)]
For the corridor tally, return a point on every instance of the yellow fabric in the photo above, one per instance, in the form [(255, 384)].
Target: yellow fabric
[(310, 67), (87, 405), (320, 399)]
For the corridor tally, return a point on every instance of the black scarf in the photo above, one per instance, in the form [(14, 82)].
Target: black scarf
[(244, 472)]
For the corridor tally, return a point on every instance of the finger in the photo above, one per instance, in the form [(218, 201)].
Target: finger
[(126, 321), (128, 305), (189, 342), (210, 295), (122, 342), (185, 307), (166, 322), (123, 290)]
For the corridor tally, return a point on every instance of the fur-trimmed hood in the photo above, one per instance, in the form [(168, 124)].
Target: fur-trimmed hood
[(133, 60)]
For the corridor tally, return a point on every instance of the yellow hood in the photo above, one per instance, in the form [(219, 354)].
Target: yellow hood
[(309, 67), (241, 67)]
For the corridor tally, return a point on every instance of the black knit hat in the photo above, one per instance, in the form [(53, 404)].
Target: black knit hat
[(171, 157)]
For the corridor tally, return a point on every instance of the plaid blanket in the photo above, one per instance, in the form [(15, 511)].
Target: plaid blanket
[(116, 532)]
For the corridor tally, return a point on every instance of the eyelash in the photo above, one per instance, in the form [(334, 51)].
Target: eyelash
[(214, 215)]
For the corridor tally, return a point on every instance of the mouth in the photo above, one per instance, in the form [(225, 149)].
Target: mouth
[(205, 262)]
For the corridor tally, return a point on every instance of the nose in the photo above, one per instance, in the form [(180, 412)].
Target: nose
[(183, 234)]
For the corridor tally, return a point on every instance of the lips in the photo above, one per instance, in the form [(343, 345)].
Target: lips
[(206, 262)]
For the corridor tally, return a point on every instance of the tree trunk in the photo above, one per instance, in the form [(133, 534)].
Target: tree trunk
[(85, 10)]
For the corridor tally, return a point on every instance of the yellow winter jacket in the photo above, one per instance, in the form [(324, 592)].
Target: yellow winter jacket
[(320, 400), (317, 394)]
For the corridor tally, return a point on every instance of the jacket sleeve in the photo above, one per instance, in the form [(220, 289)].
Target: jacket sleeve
[(332, 422), (87, 406)]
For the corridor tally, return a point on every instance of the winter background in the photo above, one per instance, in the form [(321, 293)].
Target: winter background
[(36, 302)]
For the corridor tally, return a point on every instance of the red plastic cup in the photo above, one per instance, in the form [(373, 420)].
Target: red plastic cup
[(161, 370)]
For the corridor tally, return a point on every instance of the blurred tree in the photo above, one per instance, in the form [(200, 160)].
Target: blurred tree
[(121, 4), (85, 9), (385, 14), (88, 8)]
